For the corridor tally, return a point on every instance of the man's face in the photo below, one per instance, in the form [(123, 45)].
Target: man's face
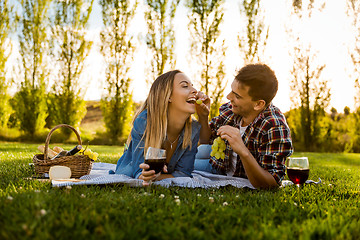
[(242, 103)]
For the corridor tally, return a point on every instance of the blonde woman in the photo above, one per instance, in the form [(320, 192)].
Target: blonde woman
[(164, 121)]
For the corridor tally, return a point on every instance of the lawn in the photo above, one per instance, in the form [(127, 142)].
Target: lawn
[(31, 209)]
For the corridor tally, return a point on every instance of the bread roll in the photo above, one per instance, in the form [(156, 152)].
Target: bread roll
[(58, 149), (51, 153)]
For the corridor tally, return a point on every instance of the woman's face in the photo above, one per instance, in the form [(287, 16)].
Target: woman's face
[(183, 96)]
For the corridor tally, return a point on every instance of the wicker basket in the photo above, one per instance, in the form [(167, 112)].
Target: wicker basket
[(79, 164)]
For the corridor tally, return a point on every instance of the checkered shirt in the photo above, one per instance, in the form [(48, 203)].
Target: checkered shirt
[(267, 138)]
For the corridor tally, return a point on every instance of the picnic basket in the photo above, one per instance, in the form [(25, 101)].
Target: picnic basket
[(79, 164)]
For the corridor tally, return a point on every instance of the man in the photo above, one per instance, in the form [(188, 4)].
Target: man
[(255, 131)]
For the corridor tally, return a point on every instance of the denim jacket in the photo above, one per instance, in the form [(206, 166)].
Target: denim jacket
[(181, 163)]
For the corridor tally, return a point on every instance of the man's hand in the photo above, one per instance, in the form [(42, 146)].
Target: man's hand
[(258, 177), (233, 136)]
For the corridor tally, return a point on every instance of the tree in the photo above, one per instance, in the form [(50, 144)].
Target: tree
[(354, 13), (70, 49), (29, 102), (7, 23), (207, 48), (309, 92), (160, 38), (118, 50), (254, 42)]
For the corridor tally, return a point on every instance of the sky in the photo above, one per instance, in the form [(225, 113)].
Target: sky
[(329, 33)]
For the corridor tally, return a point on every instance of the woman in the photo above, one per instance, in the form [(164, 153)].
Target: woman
[(164, 121)]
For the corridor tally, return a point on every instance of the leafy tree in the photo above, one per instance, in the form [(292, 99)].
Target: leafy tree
[(208, 50), (160, 38), (346, 111), (118, 50), (310, 93), (7, 23), (70, 49), (254, 42), (354, 13), (29, 102)]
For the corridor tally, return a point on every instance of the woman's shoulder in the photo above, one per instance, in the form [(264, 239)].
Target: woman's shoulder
[(140, 121), (143, 114)]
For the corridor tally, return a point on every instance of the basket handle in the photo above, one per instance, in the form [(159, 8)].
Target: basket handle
[(50, 133)]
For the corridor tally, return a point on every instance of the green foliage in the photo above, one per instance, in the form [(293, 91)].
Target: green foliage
[(66, 107), (206, 47), (311, 94), (254, 43), (32, 209), (118, 114), (30, 107), (219, 86), (29, 102), (336, 132), (71, 49), (7, 23), (309, 91), (354, 13), (5, 108), (118, 50), (160, 38)]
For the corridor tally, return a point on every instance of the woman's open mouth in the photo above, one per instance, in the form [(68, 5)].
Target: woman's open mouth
[(191, 100)]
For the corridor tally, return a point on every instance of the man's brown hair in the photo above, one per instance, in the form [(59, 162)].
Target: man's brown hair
[(261, 81)]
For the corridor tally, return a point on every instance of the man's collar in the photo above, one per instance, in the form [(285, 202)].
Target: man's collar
[(237, 118)]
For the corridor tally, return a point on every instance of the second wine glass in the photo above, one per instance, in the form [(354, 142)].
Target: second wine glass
[(298, 169)]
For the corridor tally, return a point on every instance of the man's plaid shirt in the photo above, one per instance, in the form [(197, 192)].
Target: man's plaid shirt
[(267, 138)]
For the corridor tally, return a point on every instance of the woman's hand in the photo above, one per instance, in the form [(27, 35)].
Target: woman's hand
[(149, 176), (203, 109)]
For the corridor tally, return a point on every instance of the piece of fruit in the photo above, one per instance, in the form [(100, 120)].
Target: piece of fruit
[(87, 152), (94, 156), (218, 148), (199, 101)]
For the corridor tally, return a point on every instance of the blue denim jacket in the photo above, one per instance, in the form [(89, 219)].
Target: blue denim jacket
[(181, 163)]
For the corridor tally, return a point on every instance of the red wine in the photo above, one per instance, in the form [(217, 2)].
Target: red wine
[(298, 175), (156, 164)]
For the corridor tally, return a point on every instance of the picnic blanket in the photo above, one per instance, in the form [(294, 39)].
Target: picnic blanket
[(99, 175)]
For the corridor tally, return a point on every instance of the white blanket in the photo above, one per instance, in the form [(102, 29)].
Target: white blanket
[(100, 175)]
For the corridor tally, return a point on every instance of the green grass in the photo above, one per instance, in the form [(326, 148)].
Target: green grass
[(30, 209)]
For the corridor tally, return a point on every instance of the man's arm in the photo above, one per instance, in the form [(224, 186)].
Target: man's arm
[(258, 177)]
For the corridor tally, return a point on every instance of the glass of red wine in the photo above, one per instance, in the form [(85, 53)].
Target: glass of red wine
[(298, 169), (156, 159)]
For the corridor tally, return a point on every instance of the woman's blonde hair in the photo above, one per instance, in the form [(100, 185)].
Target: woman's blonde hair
[(157, 104)]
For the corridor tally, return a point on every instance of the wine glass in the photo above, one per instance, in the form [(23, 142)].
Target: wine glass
[(156, 159), (298, 169)]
